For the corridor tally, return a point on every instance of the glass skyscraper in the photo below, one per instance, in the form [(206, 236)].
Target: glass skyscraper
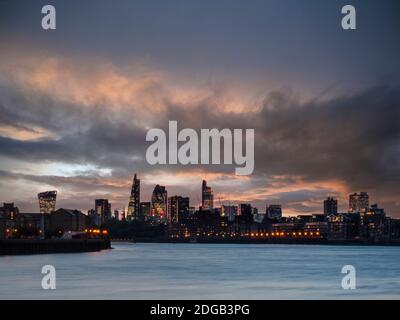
[(47, 201), (134, 201), (359, 202), (159, 205), (207, 196)]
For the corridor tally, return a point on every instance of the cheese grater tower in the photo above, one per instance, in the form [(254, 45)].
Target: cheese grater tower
[(134, 201)]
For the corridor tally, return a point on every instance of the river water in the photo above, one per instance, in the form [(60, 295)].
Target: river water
[(206, 271)]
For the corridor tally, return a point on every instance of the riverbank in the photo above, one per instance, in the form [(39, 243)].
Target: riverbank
[(32, 246), (245, 240)]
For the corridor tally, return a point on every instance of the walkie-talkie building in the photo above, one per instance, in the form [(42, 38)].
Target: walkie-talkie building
[(47, 201)]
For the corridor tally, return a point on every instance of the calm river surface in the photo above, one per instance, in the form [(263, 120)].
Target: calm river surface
[(206, 271)]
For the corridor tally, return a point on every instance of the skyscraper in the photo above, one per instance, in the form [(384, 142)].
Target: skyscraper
[(246, 213), (178, 207), (173, 208), (103, 209), (359, 202), (274, 211), (230, 211), (145, 208), (184, 205), (134, 201), (9, 211), (207, 196), (47, 201), (159, 205), (330, 206)]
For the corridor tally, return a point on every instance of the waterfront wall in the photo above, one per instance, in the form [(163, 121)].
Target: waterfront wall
[(246, 240), (22, 246)]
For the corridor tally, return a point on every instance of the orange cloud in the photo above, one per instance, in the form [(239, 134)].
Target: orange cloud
[(24, 134)]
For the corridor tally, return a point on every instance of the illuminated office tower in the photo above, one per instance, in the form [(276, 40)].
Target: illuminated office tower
[(274, 211), (184, 206), (103, 209), (230, 211), (134, 201), (178, 207), (47, 201), (9, 211), (159, 205), (145, 208), (330, 206), (359, 202), (207, 196)]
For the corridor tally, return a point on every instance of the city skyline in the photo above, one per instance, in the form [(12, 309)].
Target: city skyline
[(76, 103), (160, 203)]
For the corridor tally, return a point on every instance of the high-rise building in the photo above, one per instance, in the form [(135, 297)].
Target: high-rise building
[(94, 218), (134, 201), (184, 207), (245, 209), (246, 213), (229, 211), (173, 208), (375, 210), (9, 211), (274, 211), (207, 197), (159, 205), (330, 206), (145, 208), (47, 201), (359, 202), (103, 209), (178, 207)]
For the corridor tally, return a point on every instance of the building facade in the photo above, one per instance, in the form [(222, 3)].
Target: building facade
[(207, 196), (47, 201), (159, 205), (9, 211), (145, 209), (359, 202), (64, 220), (178, 208), (330, 206), (274, 211), (133, 212), (103, 209)]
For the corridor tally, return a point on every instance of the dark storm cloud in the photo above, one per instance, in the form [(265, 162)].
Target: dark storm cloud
[(80, 134), (350, 133), (355, 137), (294, 43)]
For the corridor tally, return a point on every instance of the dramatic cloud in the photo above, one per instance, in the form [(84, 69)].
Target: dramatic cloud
[(59, 116), (76, 103)]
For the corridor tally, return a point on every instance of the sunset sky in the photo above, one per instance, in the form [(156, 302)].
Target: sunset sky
[(76, 102)]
